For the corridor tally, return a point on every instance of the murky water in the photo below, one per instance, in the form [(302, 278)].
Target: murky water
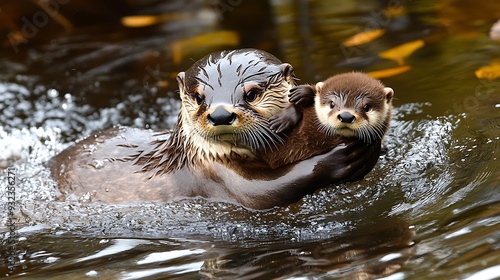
[(429, 210)]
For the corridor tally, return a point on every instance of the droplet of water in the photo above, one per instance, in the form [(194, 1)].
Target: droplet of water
[(51, 259), (52, 93), (98, 164), (92, 273)]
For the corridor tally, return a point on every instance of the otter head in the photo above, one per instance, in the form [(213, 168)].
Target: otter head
[(354, 105), (227, 99)]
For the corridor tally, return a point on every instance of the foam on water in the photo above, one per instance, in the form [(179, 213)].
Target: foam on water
[(49, 108)]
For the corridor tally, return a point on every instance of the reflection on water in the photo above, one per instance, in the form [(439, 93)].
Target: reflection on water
[(429, 209)]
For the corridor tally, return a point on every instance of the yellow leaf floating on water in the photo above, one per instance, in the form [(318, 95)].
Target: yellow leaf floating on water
[(147, 20), (140, 21), (213, 39), (489, 72), (401, 52), (363, 37), (389, 72)]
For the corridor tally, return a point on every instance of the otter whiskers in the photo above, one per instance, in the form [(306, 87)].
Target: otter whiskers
[(260, 136)]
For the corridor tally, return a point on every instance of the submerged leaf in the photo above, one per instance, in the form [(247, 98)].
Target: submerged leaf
[(389, 72), (401, 52), (363, 37), (214, 39), (489, 72), (140, 21), (147, 20)]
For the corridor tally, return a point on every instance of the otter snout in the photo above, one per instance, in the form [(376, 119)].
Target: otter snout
[(221, 116), (346, 117)]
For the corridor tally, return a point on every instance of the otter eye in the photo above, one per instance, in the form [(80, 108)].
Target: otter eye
[(251, 95), (367, 108), (198, 98), (332, 104)]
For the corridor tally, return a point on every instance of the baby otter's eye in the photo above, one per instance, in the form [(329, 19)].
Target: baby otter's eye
[(198, 98), (252, 95), (332, 104), (367, 107)]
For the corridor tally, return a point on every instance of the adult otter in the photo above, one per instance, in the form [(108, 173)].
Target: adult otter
[(345, 105), (213, 151)]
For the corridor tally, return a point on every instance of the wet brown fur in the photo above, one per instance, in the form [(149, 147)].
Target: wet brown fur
[(310, 137)]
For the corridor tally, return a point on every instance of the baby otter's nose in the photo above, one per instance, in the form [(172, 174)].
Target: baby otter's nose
[(346, 117), (221, 117)]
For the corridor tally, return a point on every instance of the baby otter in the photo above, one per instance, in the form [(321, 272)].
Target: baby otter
[(214, 150), (351, 105)]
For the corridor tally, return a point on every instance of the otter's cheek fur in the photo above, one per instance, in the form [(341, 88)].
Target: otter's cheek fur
[(189, 112), (273, 101), (377, 118)]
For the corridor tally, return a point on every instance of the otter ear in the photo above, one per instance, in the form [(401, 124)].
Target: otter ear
[(319, 86), (389, 93), (288, 73), (180, 81)]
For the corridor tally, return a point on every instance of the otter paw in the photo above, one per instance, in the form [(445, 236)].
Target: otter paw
[(302, 95), (279, 124)]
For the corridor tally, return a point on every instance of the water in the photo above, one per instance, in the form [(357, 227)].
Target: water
[(429, 210)]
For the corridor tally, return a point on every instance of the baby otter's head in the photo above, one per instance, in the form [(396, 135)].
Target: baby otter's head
[(354, 105), (227, 99)]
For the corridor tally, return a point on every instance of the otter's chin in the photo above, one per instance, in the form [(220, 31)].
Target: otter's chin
[(226, 137), (231, 138), (345, 131), (219, 137), (218, 132)]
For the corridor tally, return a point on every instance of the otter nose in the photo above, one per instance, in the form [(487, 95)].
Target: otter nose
[(346, 117), (221, 117)]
